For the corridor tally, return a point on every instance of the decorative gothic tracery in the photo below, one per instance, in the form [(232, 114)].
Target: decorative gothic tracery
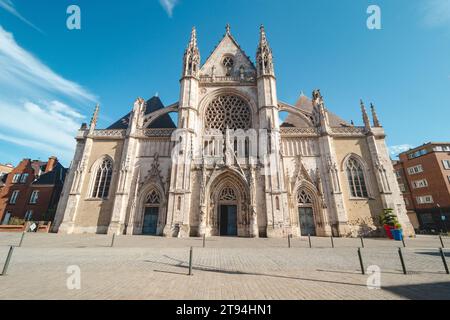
[(228, 112), (304, 198), (102, 181), (153, 198), (228, 194), (356, 178)]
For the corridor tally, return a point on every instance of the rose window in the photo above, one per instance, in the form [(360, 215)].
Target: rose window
[(228, 112)]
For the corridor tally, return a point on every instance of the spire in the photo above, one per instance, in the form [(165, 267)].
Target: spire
[(376, 121), (365, 115), (193, 41), (191, 60), (228, 29), (94, 118), (264, 56)]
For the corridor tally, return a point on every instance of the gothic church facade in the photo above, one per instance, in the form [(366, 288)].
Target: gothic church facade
[(229, 167)]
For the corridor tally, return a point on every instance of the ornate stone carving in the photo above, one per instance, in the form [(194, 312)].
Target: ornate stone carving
[(348, 131), (299, 132), (109, 133), (154, 174)]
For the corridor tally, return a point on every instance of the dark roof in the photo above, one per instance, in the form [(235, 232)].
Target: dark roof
[(54, 177), (305, 104), (152, 105)]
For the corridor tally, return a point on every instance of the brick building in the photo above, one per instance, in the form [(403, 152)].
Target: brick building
[(423, 174), (31, 191)]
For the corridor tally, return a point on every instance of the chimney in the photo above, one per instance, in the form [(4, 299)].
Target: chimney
[(51, 164)]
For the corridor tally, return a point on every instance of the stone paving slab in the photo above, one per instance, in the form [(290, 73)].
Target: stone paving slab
[(229, 268)]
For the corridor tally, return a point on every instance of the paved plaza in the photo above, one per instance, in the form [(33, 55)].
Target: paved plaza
[(228, 268)]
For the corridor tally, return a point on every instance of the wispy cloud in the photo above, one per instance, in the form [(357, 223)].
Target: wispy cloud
[(168, 6), (436, 13), (45, 127), (8, 5), (21, 66), (39, 108), (396, 150)]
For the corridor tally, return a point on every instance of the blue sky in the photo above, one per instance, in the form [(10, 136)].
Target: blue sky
[(51, 77)]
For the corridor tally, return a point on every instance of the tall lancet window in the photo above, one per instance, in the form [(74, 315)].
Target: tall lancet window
[(103, 177), (356, 178)]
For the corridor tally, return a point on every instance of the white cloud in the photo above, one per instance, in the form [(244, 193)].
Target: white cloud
[(24, 71), (8, 5), (39, 108), (41, 127), (168, 6), (436, 13), (396, 150)]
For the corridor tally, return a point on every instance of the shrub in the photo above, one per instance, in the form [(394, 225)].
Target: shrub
[(389, 218), (14, 221)]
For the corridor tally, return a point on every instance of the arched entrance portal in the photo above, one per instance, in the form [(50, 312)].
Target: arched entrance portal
[(228, 210), (228, 205), (306, 213), (151, 213)]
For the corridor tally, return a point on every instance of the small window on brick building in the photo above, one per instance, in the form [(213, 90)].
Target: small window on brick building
[(29, 215), (34, 197), (7, 217), (14, 196), (24, 177), (16, 178), (446, 164)]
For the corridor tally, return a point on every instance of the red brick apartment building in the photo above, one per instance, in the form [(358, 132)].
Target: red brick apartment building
[(423, 174), (31, 191)]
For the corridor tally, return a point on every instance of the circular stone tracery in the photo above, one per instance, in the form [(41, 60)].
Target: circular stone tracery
[(228, 112)]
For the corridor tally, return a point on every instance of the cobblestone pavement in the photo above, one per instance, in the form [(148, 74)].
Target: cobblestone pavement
[(228, 268)]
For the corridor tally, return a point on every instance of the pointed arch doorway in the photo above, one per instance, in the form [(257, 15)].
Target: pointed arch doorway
[(306, 213), (151, 213), (228, 212), (227, 207)]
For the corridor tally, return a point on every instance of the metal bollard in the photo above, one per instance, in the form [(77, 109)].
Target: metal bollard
[(404, 243), (21, 239), (191, 253), (204, 241), (332, 242), (289, 240), (8, 259), (112, 240), (444, 261), (361, 263), (442, 241), (362, 242), (309, 239), (402, 260)]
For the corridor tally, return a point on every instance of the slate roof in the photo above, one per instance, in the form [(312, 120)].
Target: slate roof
[(152, 105), (54, 177), (304, 103)]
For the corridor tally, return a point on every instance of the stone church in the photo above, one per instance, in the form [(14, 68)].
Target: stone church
[(230, 166)]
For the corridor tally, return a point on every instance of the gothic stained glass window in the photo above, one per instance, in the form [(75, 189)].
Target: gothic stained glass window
[(356, 179), (228, 112), (102, 180)]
